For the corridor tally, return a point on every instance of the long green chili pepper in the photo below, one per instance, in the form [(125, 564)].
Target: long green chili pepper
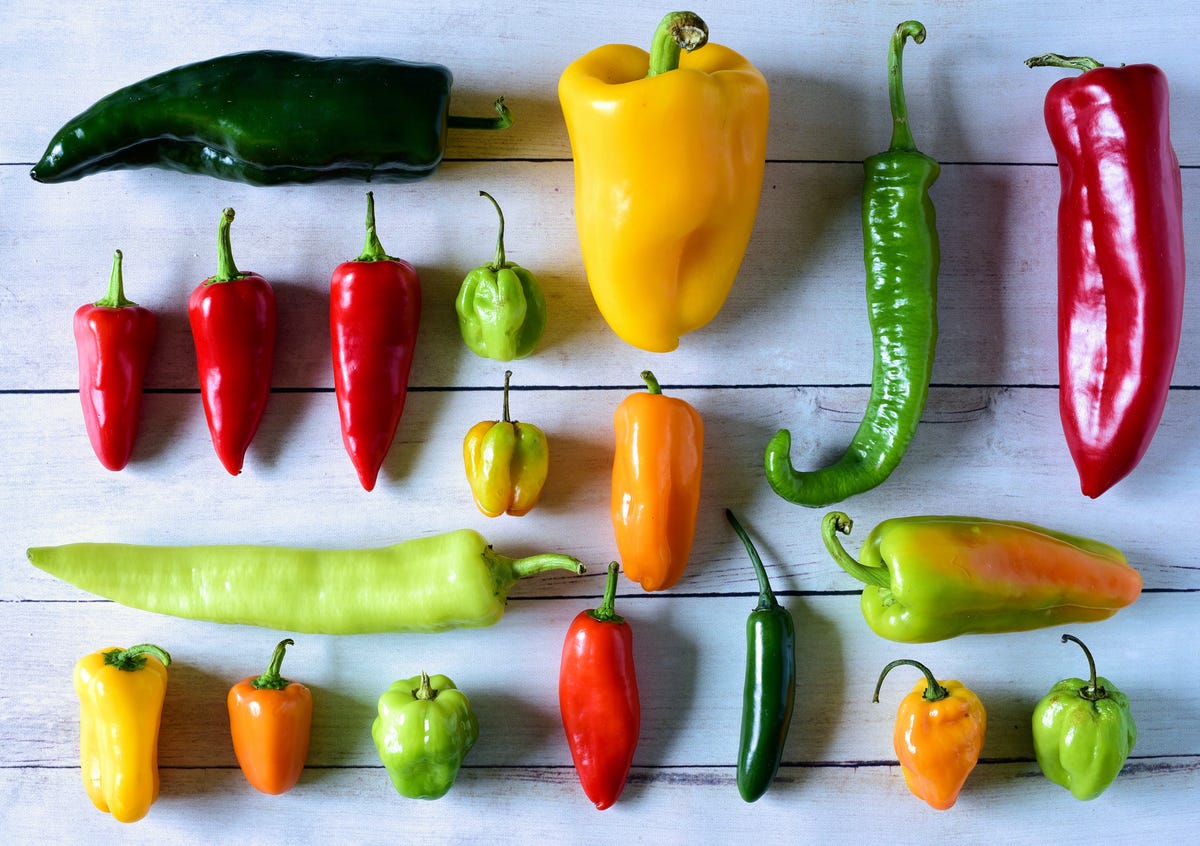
[(900, 248), (769, 691), (452, 580)]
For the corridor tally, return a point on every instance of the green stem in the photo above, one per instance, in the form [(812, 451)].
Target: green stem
[(523, 568), (606, 613), (834, 522), (134, 658), (1093, 692), (503, 119), (651, 383), (1054, 60), (115, 296), (226, 270), (372, 249), (426, 691), (766, 596), (498, 262), (934, 692), (902, 139), (676, 31), (271, 680), (507, 376)]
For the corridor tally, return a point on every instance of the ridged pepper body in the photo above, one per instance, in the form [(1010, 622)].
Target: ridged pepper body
[(506, 463)]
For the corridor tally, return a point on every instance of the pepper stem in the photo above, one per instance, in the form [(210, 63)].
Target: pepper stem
[(115, 296), (1054, 60), (226, 270), (1093, 692), (834, 522), (498, 262), (523, 568), (271, 680), (426, 692), (651, 382), (507, 376), (134, 658), (934, 692), (606, 613), (503, 119), (372, 249), (766, 596), (901, 132), (676, 31)]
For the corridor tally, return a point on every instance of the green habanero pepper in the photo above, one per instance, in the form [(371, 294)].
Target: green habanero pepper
[(900, 247), (501, 309), (1083, 732), (424, 730)]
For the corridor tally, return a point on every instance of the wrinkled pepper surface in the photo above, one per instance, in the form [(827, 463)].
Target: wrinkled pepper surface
[(506, 462), (669, 153), (270, 719), (932, 578), (424, 730), (1083, 731), (121, 693)]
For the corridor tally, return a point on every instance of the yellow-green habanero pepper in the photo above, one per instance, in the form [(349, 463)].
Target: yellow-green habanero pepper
[(1083, 732), (506, 462)]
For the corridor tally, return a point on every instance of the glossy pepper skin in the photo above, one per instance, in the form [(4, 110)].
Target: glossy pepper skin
[(269, 117), (270, 719), (933, 578), (233, 317), (598, 697), (428, 584), (501, 308), (1083, 732), (506, 462), (902, 255), (657, 465), (769, 690), (121, 693), (939, 733), (114, 338), (1121, 262), (669, 153), (424, 730), (374, 317)]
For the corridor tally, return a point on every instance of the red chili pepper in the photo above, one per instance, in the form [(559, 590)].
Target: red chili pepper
[(232, 315), (1120, 261), (113, 337), (598, 697), (374, 315)]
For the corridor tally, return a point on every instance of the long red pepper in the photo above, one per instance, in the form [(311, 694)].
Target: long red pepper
[(1120, 261), (232, 315), (598, 698), (374, 315), (113, 337)]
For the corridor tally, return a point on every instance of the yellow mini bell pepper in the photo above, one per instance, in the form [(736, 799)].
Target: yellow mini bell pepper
[(121, 694), (668, 172), (506, 462)]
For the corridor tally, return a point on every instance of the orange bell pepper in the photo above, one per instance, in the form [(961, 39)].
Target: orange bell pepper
[(270, 718), (656, 484)]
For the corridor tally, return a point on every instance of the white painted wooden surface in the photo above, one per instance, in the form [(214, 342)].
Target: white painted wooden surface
[(789, 349)]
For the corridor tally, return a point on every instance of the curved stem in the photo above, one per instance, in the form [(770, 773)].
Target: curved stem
[(1054, 60), (534, 564), (606, 613), (901, 132), (115, 296), (651, 383), (503, 119), (766, 596), (271, 680), (934, 692), (507, 376), (372, 249), (226, 270), (834, 522), (676, 31), (1092, 692), (498, 262), (426, 691), (134, 658)]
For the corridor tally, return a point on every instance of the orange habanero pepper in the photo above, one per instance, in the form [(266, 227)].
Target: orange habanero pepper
[(656, 484)]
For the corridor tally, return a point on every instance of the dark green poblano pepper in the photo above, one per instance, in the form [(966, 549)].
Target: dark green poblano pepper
[(501, 310), (424, 730), (1083, 732)]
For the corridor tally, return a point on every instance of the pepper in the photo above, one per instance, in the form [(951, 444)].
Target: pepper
[(374, 316), (769, 690), (232, 315), (668, 162), (114, 338), (121, 694), (269, 117), (1083, 732), (598, 697), (939, 733), (933, 578), (657, 465), (270, 718), (506, 463), (500, 306), (1121, 262), (424, 730), (900, 247), (429, 584)]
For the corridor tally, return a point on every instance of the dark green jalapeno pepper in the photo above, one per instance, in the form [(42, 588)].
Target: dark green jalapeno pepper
[(900, 248), (269, 117), (769, 691)]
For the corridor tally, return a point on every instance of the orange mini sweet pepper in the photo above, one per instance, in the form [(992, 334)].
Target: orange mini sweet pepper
[(656, 484)]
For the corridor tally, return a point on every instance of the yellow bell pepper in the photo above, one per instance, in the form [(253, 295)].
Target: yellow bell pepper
[(506, 462), (121, 695), (668, 172)]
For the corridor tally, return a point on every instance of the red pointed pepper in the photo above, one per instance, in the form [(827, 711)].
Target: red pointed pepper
[(374, 315), (113, 338), (232, 315), (1120, 261), (598, 697)]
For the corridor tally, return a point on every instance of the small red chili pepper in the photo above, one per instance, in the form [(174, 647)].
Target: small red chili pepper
[(232, 315), (374, 315), (113, 338), (598, 698)]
